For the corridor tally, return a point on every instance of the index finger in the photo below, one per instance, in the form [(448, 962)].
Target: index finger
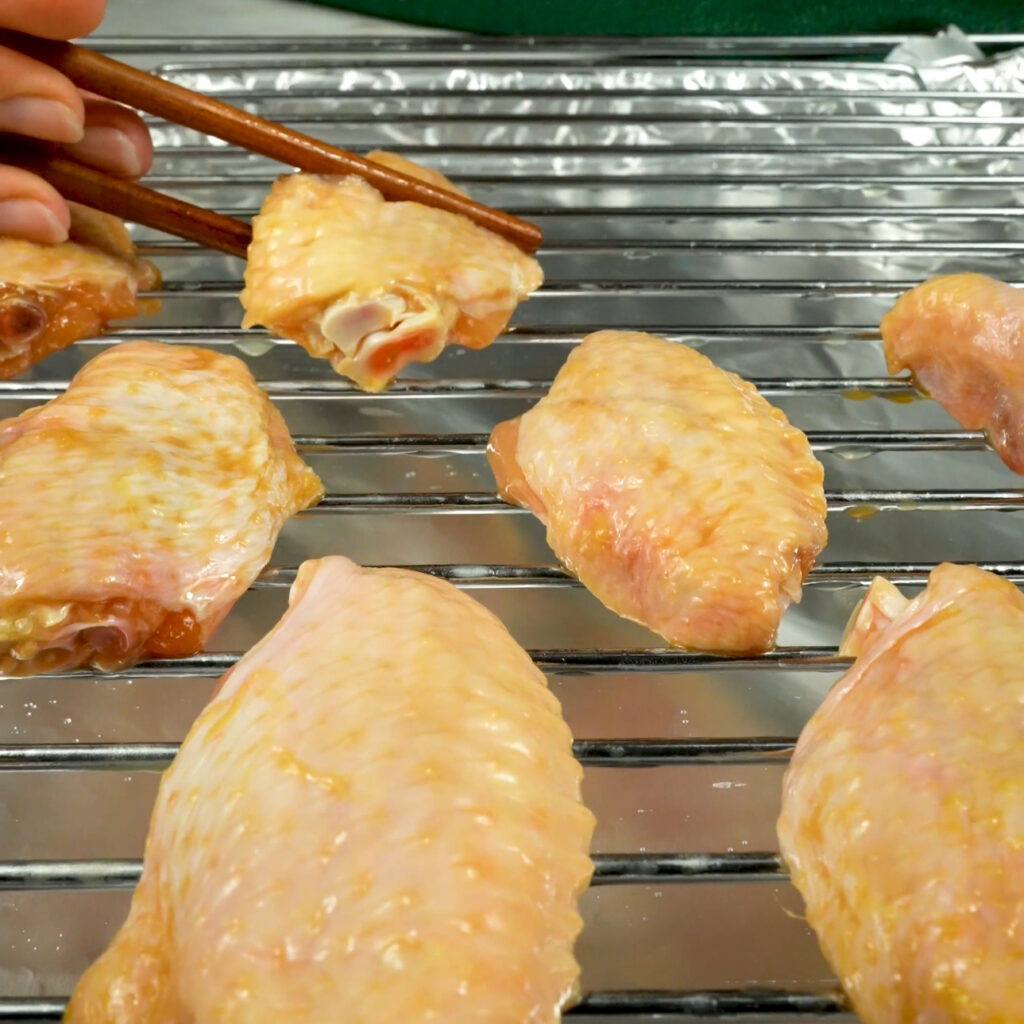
[(54, 19)]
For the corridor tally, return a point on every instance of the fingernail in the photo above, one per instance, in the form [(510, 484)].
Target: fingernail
[(28, 218), (41, 119), (109, 148)]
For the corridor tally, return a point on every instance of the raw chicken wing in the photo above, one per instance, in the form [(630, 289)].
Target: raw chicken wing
[(370, 285), (903, 810), (962, 338), (677, 495), (138, 506), (376, 819), (52, 295)]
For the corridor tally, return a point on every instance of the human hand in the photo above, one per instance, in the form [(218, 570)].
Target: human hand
[(39, 102)]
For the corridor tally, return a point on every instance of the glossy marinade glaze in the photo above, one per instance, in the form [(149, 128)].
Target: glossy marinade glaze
[(138, 506), (376, 818), (902, 820), (671, 488)]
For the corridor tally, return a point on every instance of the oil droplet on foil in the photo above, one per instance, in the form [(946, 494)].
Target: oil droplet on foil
[(896, 397), (861, 511), (853, 452), (254, 347)]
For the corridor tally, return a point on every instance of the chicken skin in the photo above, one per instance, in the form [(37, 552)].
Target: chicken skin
[(370, 285), (52, 295), (375, 819), (962, 338), (903, 810), (136, 507), (679, 497)]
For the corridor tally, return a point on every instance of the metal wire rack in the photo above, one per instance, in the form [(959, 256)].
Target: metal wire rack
[(763, 200)]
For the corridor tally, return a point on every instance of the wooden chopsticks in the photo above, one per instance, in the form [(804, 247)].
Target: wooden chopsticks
[(83, 184), (121, 82)]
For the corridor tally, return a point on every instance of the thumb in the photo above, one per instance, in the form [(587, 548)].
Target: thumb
[(30, 208)]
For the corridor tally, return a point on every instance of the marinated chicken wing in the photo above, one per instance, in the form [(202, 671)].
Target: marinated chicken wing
[(962, 338), (137, 507), (677, 495), (52, 295), (903, 810), (370, 285), (375, 819)]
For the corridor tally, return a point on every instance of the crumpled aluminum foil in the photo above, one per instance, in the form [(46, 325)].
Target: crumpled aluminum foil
[(950, 60)]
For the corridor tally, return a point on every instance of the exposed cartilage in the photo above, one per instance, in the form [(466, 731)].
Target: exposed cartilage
[(372, 286), (880, 605)]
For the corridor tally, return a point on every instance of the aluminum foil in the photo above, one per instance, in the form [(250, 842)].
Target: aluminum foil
[(950, 62), (765, 210)]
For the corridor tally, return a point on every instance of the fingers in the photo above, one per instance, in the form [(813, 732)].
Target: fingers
[(38, 102), (115, 139), (35, 100), (52, 19), (30, 208)]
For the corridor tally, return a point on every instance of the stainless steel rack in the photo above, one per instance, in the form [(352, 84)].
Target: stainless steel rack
[(764, 200)]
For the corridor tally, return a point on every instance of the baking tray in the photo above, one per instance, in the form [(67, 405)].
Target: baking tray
[(763, 201)]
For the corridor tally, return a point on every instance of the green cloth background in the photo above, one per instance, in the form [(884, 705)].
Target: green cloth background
[(698, 17)]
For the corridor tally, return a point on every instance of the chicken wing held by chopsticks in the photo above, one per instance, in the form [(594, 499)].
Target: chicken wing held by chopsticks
[(137, 507), (52, 295), (376, 819), (371, 285), (679, 497)]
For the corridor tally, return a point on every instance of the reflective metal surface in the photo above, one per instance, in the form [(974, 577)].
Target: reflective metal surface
[(763, 201)]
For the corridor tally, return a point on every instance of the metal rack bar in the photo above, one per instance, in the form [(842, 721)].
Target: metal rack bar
[(636, 289), (827, 574), (596, 752), (844, 214), (709, 117), (474, 47), (821, 440), (456, 90), (702, 1005), (838, 501), (164, 248), (280, 391), (757, 148), (782, 182), (609, 869), (210, 666)]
